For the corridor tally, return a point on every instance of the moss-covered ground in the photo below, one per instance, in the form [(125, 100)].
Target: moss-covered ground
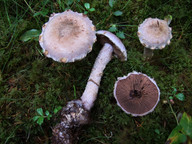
[(29, 80)]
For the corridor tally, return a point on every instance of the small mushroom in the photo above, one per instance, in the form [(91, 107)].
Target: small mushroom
[(76, 112), (154, 34), (136, 94), (67, 36)]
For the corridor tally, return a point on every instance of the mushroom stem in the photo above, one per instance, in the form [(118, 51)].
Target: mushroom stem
[(148, 53), (76, 112), (92, 87)]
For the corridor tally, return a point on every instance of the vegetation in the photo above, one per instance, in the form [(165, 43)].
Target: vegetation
[(182, 132), (29, 80)]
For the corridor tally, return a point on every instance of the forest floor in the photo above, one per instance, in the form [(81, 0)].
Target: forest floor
[(29, 80)]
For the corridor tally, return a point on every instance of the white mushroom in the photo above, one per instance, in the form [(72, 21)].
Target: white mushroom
[(67, 36), (111, 44), (153, 34), (136, 94), (76, 112)]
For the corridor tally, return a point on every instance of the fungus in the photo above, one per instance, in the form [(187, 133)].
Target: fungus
[(154, 34), (67, 36), (76, 112), (111, 44), (136, 94)]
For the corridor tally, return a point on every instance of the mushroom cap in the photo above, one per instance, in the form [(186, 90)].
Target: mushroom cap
[(67, 36), (136, 94), (108, 37), (154, 33)]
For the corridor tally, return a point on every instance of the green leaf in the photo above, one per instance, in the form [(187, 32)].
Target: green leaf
[(85, 12), (170, 97), (87, 5), (57, 109), (118, 13), (40, 111), (176, 136), (186, 123), (40, 120), (111, 3), (174, 91), (69, 2), (180, 96), (30, 34), (92, 9), (168, 18), (157, 131), (113, 28), (49, 116), (46, 112), (35, 118), (120, 35)]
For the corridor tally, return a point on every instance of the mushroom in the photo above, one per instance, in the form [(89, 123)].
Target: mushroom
[(76, 112), (136, 94), (67, 36), (154, 34), (111, 44)]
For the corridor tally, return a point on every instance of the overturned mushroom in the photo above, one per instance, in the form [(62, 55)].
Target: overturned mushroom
[(136, 94), (154, 34), (76, 112), (67, 36)]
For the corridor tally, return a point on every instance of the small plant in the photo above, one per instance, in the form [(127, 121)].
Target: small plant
[(39, 119), (118, 33), (182, 132), (113, 27), (179, 96), (88, 8), (116, 13)]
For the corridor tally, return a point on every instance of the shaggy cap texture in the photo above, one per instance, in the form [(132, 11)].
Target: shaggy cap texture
[(136, 94), (67, 36), (154, 33)]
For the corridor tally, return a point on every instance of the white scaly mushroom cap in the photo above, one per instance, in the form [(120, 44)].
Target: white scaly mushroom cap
[(154, 33), (67, 36)]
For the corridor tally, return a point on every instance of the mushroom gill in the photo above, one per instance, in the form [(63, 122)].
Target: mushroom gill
[(136, 94)]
